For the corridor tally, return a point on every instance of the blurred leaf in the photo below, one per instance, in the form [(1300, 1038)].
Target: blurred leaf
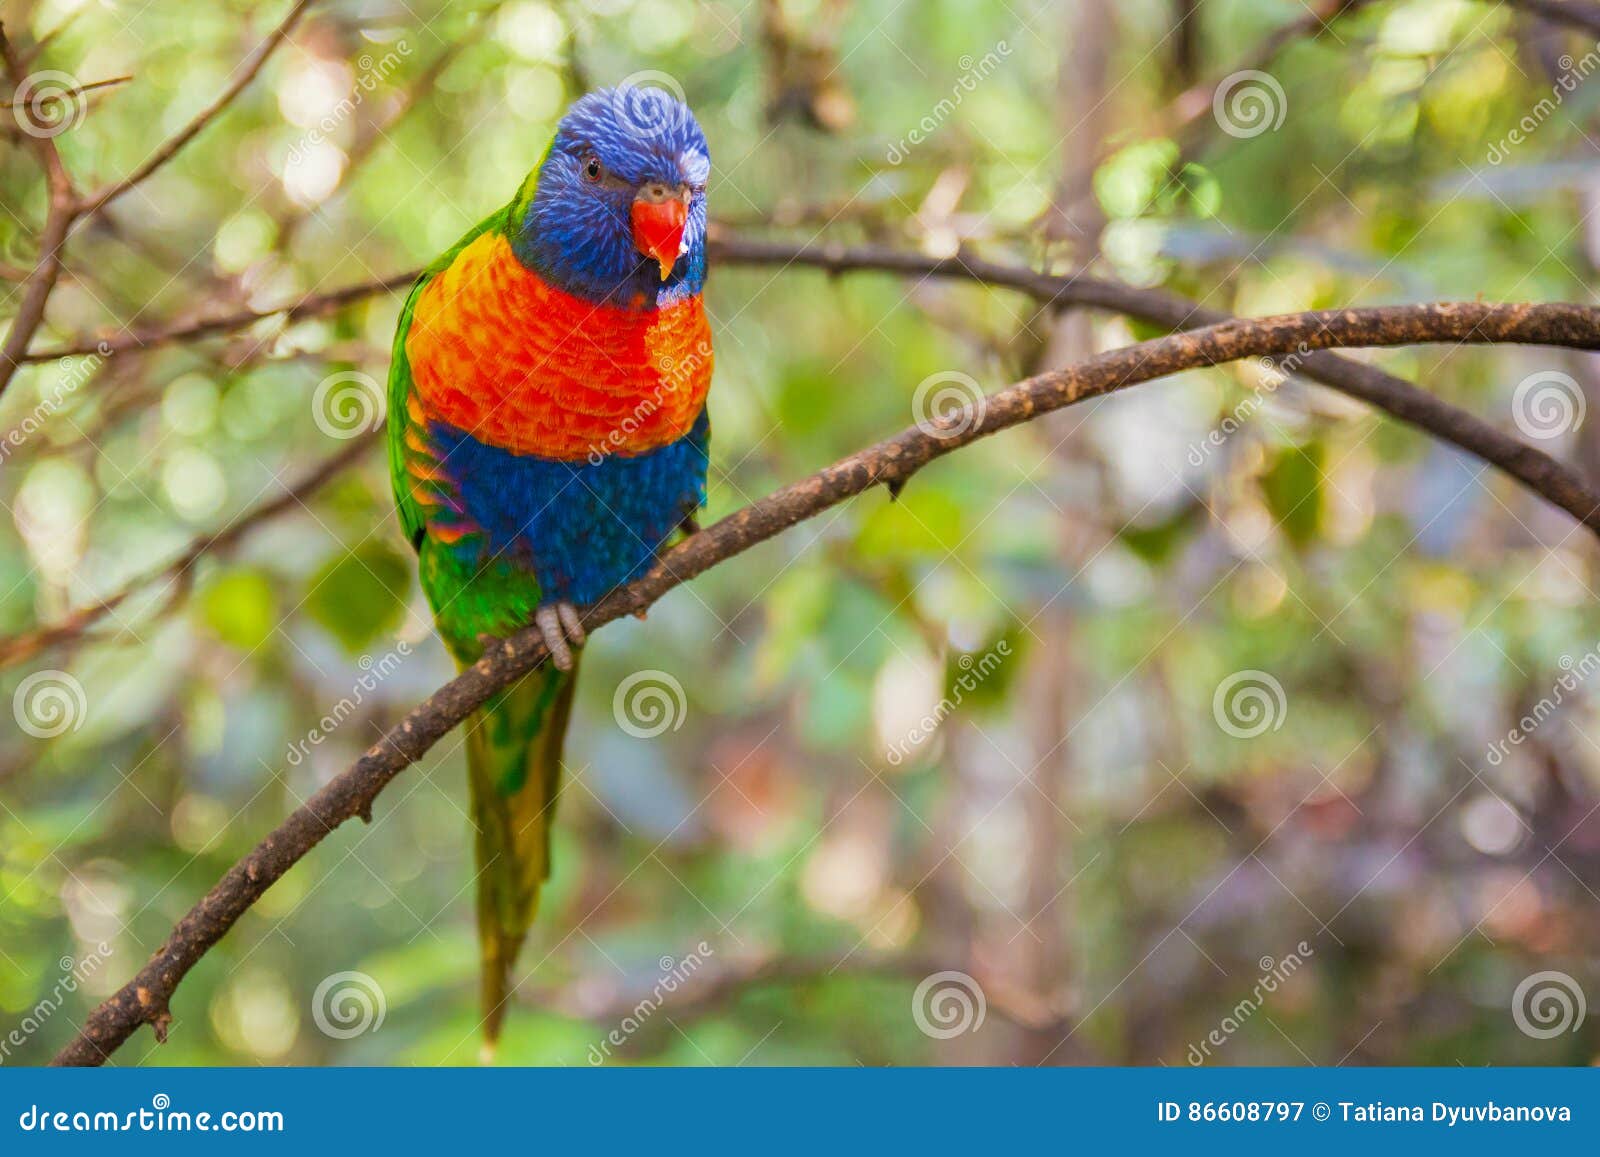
[(240, 608), (1157, 542), (361, 594), (923, 522), (1292, 487)]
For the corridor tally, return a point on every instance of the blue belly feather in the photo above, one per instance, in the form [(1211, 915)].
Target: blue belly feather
[(583, 527)]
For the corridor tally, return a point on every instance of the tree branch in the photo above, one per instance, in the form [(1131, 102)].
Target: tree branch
[(145, 998), (1544, 475), (59, 215), (1555, 482), (311, 305), (66, 208), (1539, 472), (244, 73), (26, 644)]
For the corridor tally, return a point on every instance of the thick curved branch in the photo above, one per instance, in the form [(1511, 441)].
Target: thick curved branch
[(1541, 473), (144, 999), (1544, 475)]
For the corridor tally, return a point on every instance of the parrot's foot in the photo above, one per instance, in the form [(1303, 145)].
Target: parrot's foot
[(558, 623)]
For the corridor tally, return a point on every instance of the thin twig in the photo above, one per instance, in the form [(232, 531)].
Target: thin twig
[(243, 75), (59, 215), (1544, 475), (311, 305), (145, 998), (82, 89), (19, 647)]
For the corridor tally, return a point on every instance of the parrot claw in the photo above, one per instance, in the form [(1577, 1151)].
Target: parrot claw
[(558, 623)]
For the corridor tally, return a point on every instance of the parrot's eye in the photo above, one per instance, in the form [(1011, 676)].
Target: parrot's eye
[(593, 170)]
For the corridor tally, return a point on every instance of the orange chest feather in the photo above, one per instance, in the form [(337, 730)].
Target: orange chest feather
[(518, 364)]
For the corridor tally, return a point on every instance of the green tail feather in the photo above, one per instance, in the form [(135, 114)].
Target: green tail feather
[(514, 770)]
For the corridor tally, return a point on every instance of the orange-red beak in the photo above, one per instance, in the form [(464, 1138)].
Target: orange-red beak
[(658, 223)]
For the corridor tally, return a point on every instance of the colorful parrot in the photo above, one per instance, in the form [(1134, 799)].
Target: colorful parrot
[(547, 436)]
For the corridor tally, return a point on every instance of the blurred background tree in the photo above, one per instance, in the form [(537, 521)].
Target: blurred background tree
[(1093, 830)]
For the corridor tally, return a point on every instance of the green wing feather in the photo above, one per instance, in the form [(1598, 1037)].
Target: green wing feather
[(514, 741)]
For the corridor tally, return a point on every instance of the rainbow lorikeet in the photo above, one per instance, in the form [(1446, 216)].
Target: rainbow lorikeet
[(547, 435)]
